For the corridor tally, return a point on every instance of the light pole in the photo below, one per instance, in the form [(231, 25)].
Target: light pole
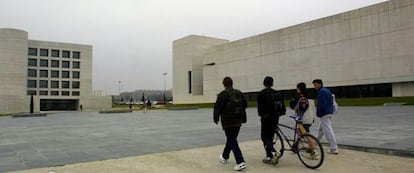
[(164, 74), (119, 89)]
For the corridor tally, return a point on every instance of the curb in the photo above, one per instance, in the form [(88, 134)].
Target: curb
[(393, 152)]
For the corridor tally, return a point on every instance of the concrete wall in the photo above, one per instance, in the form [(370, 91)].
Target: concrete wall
[(96, 102), (370, 45), (13, 74), (403, 89), (188, 56)]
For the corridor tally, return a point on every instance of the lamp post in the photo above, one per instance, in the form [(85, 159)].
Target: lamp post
[(119, 89), (164, 74)]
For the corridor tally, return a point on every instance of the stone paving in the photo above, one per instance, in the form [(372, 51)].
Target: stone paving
[(75, 137)]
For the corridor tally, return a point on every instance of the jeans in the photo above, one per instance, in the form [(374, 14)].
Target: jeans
[(326, 129), (232, 144), (267, 134)]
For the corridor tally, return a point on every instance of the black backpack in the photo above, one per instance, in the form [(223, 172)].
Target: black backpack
[(279, 104), (234, 102)]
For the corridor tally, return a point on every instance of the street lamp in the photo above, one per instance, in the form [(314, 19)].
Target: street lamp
[(119, 89), (164, 74)]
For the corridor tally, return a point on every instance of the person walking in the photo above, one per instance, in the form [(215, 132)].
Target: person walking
[(303, 106), (269, 107), (324, 111), (230, 109)]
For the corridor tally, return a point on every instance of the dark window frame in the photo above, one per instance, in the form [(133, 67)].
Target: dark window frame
[(42, 51)]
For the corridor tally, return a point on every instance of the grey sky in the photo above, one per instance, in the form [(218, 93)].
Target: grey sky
[(132, 39)]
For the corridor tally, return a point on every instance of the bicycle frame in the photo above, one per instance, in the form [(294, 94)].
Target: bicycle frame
[(297, 130)]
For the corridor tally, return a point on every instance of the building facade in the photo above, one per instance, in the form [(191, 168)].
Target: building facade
[(367, 52), (58, 75)]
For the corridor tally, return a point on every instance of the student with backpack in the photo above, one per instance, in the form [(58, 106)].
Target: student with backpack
[(269, 107), (230, 108), (303, 106)]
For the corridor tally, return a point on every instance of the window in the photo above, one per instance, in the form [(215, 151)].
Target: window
[(44, 52), (33, 51), (55, 53), (66, 54), (44, 63), (76, 64), (76, 54), (54, 63), (54, 93), (32, 73), (43, 93), (54, 74), (65, 93), (44, 73), (65, 84), (75, 84), (65, 74), (43, 84), (75, 93), (65, 64), (54, 84), (189, 82), (31, 84), (31, 92), (75, 74), (32, 62)]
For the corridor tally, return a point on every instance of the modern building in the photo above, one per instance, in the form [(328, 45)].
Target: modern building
[(58, 75), (367, 52)]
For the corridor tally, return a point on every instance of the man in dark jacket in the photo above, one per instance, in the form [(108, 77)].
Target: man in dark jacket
[(324, 111), (230, 108), (269, 118)]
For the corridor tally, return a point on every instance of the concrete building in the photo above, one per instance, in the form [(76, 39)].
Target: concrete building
[(58, 75), (367, 52)]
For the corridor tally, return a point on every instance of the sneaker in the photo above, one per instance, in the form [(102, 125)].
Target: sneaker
[(271, 161), (334, 151), (222, 159), (312, 156), (240, 166)]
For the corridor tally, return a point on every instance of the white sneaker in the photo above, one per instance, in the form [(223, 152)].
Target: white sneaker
[(335, 151), (222, 159), (240, 166)]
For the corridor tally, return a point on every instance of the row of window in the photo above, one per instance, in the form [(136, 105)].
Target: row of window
[(54, 53), (53, 63), (53, 73), (53, 93), (53, 84)]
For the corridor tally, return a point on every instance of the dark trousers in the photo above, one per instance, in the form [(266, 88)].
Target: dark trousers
[(232, 144), (267, 133)]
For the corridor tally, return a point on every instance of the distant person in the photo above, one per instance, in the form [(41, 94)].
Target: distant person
[(145, 105), (230, 108), (324, 111), (269, 107), (81, 107)]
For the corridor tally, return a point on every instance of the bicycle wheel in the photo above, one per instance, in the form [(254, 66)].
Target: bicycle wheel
[(278, 144), (310, 151)]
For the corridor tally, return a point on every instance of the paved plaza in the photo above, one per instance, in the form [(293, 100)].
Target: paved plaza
[(76, 137)]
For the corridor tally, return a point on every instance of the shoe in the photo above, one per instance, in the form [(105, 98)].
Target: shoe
[(313, 156), (222, 159), (335, 151), (240, 166), (271, 161)]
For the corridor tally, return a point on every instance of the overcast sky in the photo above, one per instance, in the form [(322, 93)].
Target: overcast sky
[(132, 39)]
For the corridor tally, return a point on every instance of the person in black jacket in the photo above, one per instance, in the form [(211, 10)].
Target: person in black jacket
[(230, 108), (269, 118)]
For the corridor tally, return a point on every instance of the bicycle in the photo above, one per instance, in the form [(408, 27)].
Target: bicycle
[(307, 146)]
